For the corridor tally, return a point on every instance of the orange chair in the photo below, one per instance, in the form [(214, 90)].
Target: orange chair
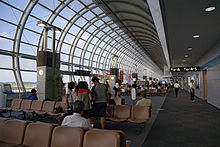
[(123, 141), (36, 105), (12, 132), (15, 105), (121, 113), (101, 138), (48, 106), (25, 105), (164, 91), (64, 136), (118, 101), (38, 135), (58, 104), (139, 114)]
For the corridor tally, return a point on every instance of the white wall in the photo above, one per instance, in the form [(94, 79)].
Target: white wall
[(213, 77), (213, 85), (199, 92), (213, 53)]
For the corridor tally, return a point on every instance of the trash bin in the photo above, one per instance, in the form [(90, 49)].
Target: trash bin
[(4, 90)]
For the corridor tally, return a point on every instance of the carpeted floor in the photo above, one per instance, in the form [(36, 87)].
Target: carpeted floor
[(185, 124), (134, 132)]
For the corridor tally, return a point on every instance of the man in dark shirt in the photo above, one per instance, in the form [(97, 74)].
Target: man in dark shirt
[(100, 100), (32, 96)]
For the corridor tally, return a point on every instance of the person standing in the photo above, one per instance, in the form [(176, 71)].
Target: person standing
[(85, 95), (133, 93), (176, 87), (192, 90), (116, 88), (69, 97), (100, 100)]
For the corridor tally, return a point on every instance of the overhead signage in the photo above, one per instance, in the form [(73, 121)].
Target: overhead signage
[(82, 73), (184, 69)]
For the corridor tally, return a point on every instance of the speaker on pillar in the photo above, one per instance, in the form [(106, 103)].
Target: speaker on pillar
[(134, 75), (114, 71), (44, 58), (48, 65)]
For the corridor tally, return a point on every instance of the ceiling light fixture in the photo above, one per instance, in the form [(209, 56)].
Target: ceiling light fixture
[(190, 48), (196, 36), (41, 23), (186, 56), (210, 8)]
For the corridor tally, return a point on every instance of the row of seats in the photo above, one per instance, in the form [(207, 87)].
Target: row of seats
[(21, 133), (134, 114), (34, 107), (156, 91)]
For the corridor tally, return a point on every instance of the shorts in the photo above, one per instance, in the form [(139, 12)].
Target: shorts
[(99, 109), (87, 113)]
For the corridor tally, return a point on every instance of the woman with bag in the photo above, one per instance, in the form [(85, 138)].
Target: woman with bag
[(85, 95)]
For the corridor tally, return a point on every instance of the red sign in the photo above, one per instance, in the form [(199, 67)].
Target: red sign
[(121, 75)]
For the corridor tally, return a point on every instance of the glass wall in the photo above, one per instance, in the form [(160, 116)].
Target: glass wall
[(88, 39)]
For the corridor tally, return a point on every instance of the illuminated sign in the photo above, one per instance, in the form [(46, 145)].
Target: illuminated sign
[(184, 69), (82, 73)]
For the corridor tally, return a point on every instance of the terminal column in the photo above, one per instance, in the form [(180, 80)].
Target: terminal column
[(48, 66)]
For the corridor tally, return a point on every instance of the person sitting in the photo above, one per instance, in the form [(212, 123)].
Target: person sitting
[(144, 101), (76, 120), (32, 96)]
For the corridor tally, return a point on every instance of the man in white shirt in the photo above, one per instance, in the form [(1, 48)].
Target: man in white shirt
[(176, 87), (76, 120), (116, 88), (133, 93)]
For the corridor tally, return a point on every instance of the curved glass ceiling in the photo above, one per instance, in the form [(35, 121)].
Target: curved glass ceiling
[(88, 39)]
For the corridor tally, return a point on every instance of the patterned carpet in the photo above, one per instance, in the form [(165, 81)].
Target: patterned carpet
[(185, 124)]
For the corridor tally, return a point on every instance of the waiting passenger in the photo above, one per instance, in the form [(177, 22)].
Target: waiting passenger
[(76, 120), (69, 97), (85, 95), (32, 96), (144, 101)]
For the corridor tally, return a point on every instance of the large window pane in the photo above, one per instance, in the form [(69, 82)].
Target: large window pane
[(6, 61), (6, 44), (29, 76), (77, 52), (6, 76), (27, 64)]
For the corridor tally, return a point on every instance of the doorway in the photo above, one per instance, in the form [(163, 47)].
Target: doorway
[(204, 72)]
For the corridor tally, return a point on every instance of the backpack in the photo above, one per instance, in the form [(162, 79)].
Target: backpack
[(59, 109)]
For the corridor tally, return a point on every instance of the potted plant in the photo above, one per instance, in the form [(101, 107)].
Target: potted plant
[(59, 87)]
